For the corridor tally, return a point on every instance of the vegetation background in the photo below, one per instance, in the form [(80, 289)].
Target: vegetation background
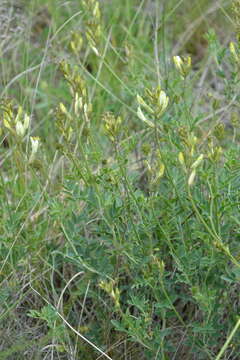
[(119, 179)]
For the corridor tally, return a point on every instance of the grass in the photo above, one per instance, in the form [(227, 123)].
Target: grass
[(119, 183)]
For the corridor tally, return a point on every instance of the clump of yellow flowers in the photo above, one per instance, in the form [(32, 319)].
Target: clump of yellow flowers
[(17, 123)]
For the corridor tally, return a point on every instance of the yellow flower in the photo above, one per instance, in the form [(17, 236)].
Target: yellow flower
[(197, 162), (191, 177), (183, 65), (163, 102), (35, 142), (143, 118)]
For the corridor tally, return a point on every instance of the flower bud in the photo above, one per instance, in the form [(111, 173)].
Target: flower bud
[(35, 142), (197, 162), (142, 102), (163, 102), (183, 65), (181, 159), (19, 129), (234, 52), (191, 177), (143, 118)]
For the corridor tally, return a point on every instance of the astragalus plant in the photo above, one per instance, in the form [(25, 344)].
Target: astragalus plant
[(120, 186)]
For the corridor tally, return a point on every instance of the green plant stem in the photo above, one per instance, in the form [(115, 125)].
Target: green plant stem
[(224, 348)]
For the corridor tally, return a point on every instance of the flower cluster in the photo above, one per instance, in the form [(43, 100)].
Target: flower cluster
[(158, 101)]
